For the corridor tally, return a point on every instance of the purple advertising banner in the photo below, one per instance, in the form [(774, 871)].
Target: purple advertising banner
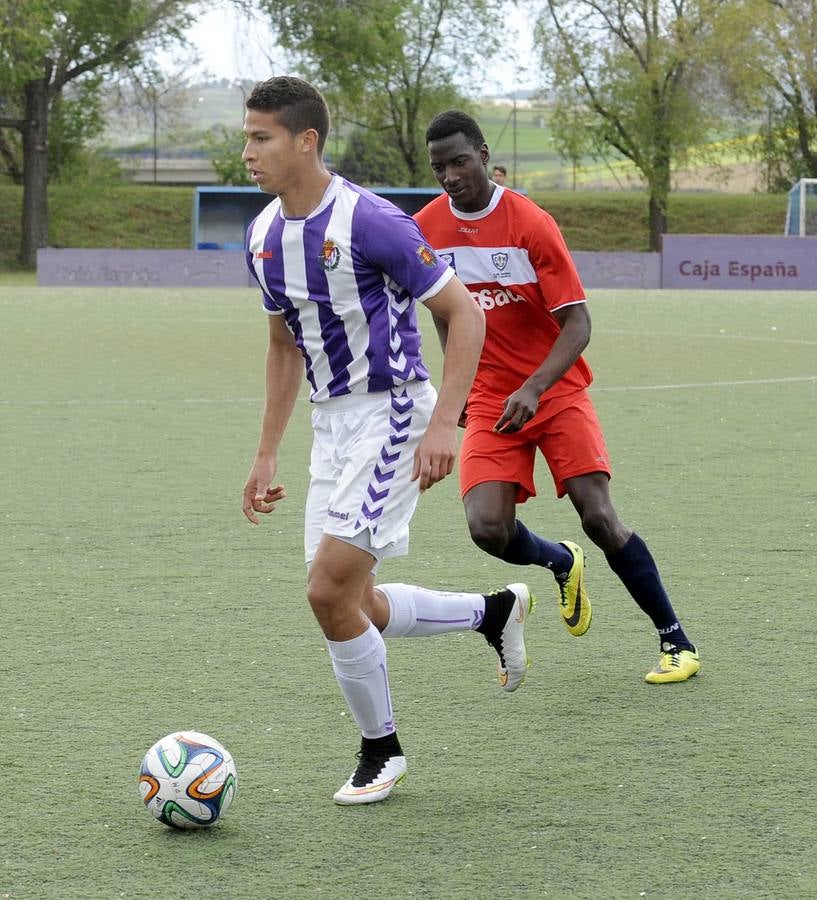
[(618, 270), (739, 262), (142, 268), (709, 262), (227, 268)]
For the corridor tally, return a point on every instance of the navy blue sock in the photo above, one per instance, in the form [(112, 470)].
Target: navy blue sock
[(527, 549), (636, 568)]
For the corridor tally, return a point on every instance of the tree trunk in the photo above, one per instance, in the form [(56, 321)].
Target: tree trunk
[(660, 182), (658, 221), (409, 154), (35, 172)]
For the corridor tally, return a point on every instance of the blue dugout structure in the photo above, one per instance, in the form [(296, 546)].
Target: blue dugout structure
[(221, 215)]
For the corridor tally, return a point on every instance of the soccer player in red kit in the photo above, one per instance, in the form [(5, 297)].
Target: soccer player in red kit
[(530, 390)]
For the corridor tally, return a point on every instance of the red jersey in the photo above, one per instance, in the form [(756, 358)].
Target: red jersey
[(514, 260)]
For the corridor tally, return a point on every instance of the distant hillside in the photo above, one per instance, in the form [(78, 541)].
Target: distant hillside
[(519, 137)]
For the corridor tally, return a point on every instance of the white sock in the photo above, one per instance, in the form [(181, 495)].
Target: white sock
[(417, 611), (360, 668)]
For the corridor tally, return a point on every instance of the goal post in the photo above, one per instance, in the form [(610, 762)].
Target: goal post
[(801, 210)]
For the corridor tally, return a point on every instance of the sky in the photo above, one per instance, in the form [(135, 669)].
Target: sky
[(227, 45)]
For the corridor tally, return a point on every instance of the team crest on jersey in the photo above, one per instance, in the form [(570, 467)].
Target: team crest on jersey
[(330, 255), (500, 260), (448, 258), (426, 255)]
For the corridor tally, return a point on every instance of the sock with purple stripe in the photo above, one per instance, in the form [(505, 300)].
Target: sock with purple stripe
[(419, 612), (361, 672), (638, 572), (527, 549)]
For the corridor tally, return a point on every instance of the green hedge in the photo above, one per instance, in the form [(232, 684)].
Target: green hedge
[(91, 215), (103, 216)]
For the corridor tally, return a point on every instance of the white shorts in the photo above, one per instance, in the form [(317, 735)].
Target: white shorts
[(362, 460)]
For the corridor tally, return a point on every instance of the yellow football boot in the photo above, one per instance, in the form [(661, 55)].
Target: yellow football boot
[(674, 665), (574, 604)]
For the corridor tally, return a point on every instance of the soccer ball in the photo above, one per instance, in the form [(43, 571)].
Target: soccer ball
[(188, 780)]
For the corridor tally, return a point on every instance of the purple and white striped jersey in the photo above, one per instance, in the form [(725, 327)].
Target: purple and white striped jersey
[(347, 279)]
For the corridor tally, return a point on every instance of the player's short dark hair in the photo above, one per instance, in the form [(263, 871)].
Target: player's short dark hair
[(502, 169), (454, 121), (298, 105)]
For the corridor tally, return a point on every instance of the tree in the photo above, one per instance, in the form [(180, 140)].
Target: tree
[(48, 44), (75, 118), (389, 65), (160, 99), (641, 72), (573, 134), (371, 158), (225, 146), (783, 61), (785, 146)]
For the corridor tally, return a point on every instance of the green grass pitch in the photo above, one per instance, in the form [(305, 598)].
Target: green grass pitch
[(137, 600)]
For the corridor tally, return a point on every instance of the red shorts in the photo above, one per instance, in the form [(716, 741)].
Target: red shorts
[(566, 430)]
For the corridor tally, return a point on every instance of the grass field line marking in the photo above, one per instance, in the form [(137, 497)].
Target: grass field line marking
[(136, 401), (185, 400), (734, 337), (646, 295), (706, 384)]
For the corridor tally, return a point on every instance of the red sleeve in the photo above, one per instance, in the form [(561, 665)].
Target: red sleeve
[(559, 281)]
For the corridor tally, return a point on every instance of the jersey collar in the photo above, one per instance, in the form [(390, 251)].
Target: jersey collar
[(481, 213), (328, 196)]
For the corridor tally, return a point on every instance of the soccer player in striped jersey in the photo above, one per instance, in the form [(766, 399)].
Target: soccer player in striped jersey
[(341, 272), (530, 390)]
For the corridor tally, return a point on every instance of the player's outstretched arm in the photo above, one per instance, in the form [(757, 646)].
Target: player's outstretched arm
[(574, 322), (283, 380), (465, 332)]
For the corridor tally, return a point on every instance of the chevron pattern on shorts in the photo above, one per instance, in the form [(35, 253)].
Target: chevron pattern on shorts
[(378, 488)]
